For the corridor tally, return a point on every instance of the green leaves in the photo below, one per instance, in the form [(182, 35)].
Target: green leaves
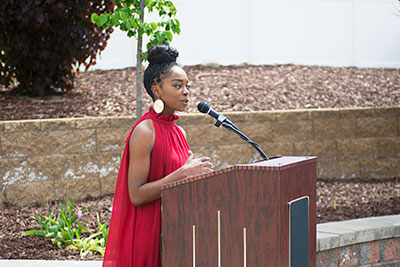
[(99, 20), (148, 28), (66, 229), (173, 25), (126, 16), (102, 21)]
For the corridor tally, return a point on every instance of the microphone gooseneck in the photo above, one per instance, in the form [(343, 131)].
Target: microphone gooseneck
[(203, 107)]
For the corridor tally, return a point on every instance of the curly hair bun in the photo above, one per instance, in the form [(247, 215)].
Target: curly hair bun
[(162, 54)]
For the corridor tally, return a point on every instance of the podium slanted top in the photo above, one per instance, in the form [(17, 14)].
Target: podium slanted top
[(277, 163)]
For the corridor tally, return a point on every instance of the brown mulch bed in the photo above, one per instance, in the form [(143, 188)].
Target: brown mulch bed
[(230, 88), (354, 199)]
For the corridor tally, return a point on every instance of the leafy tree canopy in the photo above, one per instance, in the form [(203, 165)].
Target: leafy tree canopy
[(43, 42)]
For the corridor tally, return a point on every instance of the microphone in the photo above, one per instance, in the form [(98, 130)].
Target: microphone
[(203, 107)]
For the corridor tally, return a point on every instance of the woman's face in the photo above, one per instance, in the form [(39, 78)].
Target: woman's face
[(174, 91)]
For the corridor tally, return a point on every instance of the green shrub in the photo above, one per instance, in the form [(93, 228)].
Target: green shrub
[(43, 42)]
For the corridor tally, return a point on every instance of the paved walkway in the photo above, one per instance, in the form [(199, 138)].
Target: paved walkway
[(43, 263)]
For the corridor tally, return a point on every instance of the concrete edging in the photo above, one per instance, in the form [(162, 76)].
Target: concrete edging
[(49, 263), (333, 235)]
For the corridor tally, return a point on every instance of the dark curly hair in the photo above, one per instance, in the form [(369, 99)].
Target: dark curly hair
[(161, 59)]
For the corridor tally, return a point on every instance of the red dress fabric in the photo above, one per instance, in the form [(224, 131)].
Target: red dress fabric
[(134, 235)]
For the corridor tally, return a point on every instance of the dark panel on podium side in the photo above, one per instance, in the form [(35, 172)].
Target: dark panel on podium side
[(299, 232)]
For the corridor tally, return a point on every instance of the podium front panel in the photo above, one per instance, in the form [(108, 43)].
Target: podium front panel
[(230, 212), (234, 216)]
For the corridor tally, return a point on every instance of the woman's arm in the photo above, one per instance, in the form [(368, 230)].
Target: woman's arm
[(140, 146)]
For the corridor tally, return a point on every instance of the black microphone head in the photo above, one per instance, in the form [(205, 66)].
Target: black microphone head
[(203, 107)]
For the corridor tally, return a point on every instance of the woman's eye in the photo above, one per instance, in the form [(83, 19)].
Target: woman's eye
[(178, 86)]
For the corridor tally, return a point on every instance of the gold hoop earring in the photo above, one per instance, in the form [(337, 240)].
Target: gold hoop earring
[(158, 106)]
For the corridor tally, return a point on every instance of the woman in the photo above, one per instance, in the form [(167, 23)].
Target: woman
[(156, 153)]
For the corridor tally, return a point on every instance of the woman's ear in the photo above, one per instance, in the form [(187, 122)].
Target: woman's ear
[(156, 91)]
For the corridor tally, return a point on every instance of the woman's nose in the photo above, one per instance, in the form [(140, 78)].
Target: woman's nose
[(186, 91)]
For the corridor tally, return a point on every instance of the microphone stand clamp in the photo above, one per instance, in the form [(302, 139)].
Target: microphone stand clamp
[(221, 118)]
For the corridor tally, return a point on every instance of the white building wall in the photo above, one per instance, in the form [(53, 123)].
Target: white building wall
[(363, 33)]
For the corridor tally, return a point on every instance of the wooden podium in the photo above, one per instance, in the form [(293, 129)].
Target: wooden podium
[(255, 215)]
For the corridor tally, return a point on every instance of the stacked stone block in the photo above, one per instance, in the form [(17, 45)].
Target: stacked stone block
[(40, 159), (350, 143)]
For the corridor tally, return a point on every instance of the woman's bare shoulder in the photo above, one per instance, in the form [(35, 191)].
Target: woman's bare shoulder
[(143, 132), (183, 131)]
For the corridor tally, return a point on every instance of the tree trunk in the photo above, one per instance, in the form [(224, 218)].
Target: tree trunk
[(139, 97)]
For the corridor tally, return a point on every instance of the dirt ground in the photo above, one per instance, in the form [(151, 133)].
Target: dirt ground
[(225, 88)]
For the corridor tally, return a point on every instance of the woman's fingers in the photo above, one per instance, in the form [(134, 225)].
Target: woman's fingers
[(205, 159), (208, 170), (207, 164), (203, 162)]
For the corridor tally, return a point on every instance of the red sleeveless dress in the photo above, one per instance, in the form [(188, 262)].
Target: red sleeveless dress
[(134, 235)]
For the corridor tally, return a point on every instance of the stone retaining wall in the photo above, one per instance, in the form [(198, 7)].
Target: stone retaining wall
[(373, 241), (39, 159)]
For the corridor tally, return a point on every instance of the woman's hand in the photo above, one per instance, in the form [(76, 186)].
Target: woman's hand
[(196, 166)]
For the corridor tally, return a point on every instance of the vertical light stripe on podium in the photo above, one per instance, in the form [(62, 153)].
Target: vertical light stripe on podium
[(194, 245), (244, 248), (219, 238)]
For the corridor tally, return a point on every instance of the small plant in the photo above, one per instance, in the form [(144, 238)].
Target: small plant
[(94, 243), (67, 229)]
